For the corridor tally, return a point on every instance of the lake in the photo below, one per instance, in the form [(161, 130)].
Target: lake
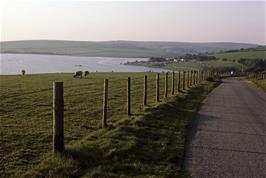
[(36, 63)]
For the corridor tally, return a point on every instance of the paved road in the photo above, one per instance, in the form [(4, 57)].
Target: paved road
[(229, 138)]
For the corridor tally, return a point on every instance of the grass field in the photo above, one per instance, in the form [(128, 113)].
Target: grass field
[(259, 83), (244, 54), (126, 148)]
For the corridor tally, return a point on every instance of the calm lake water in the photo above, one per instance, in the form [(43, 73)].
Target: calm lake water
[(34, 63)]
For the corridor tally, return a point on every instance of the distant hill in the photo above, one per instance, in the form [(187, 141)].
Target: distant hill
[(116, 48), (249, 53)]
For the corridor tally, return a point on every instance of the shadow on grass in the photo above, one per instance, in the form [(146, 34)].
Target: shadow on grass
[(150, 145)]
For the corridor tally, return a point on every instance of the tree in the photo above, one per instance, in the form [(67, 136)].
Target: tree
[(224, 59)]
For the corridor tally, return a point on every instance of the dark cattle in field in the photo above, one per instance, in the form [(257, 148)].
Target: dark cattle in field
[(86, 73), (78, 74), (23, 71)]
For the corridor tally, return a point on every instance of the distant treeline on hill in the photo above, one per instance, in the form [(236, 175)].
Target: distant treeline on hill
[(251, 65), (255, 65), (258, 48), (186, 57)]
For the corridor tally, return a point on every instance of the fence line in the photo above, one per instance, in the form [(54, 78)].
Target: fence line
[(188, 77)]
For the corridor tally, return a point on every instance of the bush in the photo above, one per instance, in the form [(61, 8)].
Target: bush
[(255, 65), (210, 79)]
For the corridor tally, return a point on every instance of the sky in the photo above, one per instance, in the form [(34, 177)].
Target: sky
[(183, 21)]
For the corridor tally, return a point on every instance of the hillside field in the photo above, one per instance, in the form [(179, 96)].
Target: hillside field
[(245, 54), (148, 143)]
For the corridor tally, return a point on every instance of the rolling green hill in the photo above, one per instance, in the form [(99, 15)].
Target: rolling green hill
[(255, 53), (116, 48)]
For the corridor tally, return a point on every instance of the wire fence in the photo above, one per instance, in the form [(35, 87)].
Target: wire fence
[(257, 76), (27, 133)]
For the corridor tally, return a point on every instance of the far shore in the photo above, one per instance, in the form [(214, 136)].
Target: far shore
[(77, 55)]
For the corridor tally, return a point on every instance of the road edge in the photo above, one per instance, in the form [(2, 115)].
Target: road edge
[(191, 130)]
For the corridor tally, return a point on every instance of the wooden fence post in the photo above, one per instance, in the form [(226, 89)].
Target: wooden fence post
[(197, 76), (58, 117), (173, 83), (128, 96), (145, 91), (179, 81), (184, 80), (187, 79), (105, 103), (166, 85), (195, 72), (200, 76), (158, 87), (194, 77), (191, 77)]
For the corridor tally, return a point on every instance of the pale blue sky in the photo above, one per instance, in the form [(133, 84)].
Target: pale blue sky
[(141, 21)]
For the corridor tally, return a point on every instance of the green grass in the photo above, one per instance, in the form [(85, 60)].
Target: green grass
[(147, 143), (244, 54), (219, 64), (259, 83)]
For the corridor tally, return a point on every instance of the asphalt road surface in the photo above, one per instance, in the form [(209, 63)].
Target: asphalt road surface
[(229, 138)]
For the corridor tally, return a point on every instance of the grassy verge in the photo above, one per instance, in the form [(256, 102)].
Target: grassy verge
[(259, 83), (150, 144)]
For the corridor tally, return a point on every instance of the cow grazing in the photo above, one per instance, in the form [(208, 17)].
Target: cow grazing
[(23, 71), (86, 73), (78, 74)]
